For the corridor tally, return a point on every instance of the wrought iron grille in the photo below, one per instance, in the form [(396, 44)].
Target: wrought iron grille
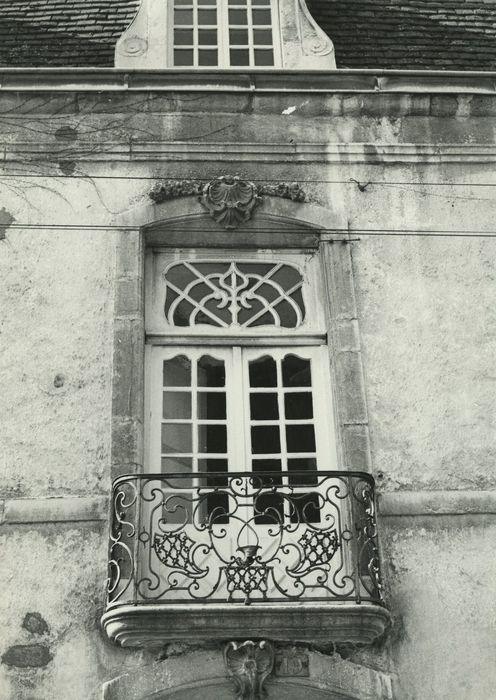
[(243, 538)]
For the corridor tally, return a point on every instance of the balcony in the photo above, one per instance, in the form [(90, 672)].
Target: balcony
[(289, 557)]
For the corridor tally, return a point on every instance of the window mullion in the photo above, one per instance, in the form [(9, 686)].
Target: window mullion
[(223, 33)]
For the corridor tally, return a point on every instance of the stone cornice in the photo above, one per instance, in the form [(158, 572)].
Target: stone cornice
[(398, 504), (273, 81), (167, 151)]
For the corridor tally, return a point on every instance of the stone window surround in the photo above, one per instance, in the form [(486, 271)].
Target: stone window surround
[(156, 225)]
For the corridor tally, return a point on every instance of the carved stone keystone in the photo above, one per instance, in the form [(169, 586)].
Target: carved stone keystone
[(248, 665)]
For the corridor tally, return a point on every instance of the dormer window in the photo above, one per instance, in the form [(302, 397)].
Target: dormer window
[(216, 35), (223, 33)]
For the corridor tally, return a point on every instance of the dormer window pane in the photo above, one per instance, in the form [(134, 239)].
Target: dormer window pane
[(207, 17), (183, 37), (240, 58), (264, 58), (183, 17), (261, 17), (207, 37), (207, 58), (183, 58), (262, 36)]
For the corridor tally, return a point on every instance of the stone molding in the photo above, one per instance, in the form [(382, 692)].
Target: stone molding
[(203, 674), (361, 81), (399, 504), (229, 200), (342, 153)]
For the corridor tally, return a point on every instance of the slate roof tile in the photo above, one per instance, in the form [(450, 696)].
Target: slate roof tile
[(427, 34)]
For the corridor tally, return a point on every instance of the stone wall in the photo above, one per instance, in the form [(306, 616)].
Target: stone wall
[(426, 314)]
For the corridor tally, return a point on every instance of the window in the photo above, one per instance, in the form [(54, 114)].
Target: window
[(238, 372), (225, 33)]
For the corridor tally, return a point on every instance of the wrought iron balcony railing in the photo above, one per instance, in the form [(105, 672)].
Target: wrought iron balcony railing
[(222, 542)]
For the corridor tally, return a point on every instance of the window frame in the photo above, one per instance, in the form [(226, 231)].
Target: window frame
[(223, 43)]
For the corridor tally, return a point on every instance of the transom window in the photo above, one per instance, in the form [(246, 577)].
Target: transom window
[(225, 33)]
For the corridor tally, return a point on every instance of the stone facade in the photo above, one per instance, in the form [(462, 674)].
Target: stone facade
[(415, 337)]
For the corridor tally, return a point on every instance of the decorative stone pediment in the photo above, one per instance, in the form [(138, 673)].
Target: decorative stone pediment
[(229, 200), (299, 41)]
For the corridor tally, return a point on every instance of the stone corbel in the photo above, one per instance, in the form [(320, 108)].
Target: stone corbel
[(248, 664)]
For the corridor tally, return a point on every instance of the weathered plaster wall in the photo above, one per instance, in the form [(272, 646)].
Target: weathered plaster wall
[(427, 322)]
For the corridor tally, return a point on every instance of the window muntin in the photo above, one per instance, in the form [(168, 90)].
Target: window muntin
[(224, 33)]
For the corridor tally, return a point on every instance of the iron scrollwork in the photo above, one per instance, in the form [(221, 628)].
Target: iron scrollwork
[(244, 538)]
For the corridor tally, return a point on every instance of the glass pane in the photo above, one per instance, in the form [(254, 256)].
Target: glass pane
[(296, 372), (298, 406), (269, 509), (239, 57), (183, 37), (305, 508), (238, 36), (300, 438), (183, 58), (261, 467), (177, 372), (176, 404), (212, 406), (265, 57), (264, 407), (211, 372), (183, 17), (178, 3), (307, 465), (215, 509), (207, 17), (176, 437), (210, 466), (207, 57), (262, 36), (207, 37), (181, 465), (212, 438), (263, 372), (265, 439), (238, 17), (261, 16)]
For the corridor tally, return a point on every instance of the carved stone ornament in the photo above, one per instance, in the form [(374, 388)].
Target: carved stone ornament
[(291, 662), (229, 200), (248, 665), (314, 41), (134, 46)]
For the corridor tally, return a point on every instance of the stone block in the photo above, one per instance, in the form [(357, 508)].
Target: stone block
[(350, 387)]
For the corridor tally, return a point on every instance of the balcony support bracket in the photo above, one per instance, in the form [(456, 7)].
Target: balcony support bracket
[(248, 665)]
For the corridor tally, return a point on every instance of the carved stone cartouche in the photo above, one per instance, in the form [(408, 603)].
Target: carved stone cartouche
[(248, 665)]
